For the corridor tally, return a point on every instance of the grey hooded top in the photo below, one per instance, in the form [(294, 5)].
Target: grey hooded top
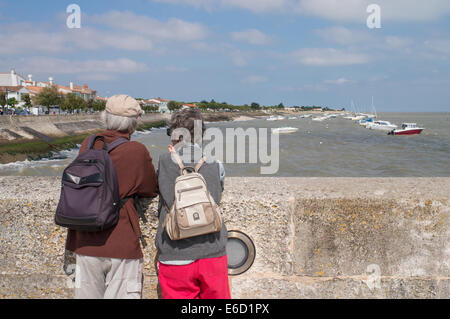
[(205, 246)]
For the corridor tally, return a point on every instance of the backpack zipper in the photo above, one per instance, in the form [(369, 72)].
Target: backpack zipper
[(187, 190)]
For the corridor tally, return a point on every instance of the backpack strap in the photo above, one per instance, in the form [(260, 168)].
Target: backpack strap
[(183, 167), (112, 146), (179, 161), (200, 164), (93, 139)]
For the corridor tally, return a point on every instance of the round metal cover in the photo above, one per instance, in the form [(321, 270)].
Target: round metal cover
[(241, 252)]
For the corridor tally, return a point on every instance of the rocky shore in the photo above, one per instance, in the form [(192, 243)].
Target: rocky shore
[(315, 238)]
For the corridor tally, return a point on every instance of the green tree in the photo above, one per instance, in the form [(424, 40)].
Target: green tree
[(3, 101), (99, 106), (174, 106), (12, 102), (49, 96), (255, 106), (72, 102), (151, 109), (27, 99)]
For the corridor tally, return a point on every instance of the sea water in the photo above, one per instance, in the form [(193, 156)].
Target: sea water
[(331, 148)]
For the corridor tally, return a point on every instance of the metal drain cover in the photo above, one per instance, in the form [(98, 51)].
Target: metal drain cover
[(241, 252)]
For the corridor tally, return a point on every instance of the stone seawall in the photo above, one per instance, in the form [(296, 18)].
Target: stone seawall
[(22, 128), (315, 238)]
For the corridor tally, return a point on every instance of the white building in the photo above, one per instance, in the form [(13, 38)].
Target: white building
[(15, 92), (11, 79), (162, 104)]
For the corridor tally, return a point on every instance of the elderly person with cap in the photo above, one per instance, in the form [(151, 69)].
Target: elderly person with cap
[(110, 262)]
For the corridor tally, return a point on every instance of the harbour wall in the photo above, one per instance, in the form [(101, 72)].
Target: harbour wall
[(314, 237), (15, 129)]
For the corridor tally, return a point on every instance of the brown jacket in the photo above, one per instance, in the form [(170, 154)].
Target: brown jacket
[(136, 175)]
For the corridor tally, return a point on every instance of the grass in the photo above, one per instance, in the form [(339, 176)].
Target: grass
[(147, 126), (39, 147), (61, 143)]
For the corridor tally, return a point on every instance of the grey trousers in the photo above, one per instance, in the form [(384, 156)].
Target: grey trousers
[(108, 278)]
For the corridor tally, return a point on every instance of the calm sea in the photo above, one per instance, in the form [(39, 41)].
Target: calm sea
[(332, 148)]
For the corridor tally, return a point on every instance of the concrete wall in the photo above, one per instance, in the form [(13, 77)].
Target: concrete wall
[(315, 238), (18, 128)]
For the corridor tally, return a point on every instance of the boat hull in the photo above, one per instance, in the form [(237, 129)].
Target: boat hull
[(407, 132)]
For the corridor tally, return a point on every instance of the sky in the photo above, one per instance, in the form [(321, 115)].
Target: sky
[(295, 52)]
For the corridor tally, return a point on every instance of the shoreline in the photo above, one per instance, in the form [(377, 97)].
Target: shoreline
[(42, 145)]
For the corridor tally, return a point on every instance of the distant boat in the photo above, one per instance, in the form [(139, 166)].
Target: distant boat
[(407, 129), (284, 130), (381, 125), (365, 122), (292, 118), (275, 118)]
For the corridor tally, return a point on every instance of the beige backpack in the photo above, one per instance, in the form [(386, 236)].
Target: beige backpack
[(194, 211)]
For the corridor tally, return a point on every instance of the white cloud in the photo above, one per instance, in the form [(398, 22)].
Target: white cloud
[(440, 46), (51, 65), (171, 30), (335, 10), (176, 69), (355, 10), (339, 81), (239, 58), (208, 5), (344, 36), (254, 79), (23, 37), (114, 29), (252, 36), (328, 57), (259, 5), (395, 42)]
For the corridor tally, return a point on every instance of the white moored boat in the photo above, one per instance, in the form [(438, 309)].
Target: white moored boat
[(382, 126), (284, 130), (275, 118)]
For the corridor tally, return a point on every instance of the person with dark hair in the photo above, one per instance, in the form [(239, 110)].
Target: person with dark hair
[(196, 267)]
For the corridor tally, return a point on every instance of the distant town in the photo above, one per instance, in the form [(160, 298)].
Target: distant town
[(26, 96)]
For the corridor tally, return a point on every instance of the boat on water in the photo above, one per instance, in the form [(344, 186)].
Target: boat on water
[(292, 118), (407, 129), (284, 130), (365, 122), (358, 118), (275, 118), (382, 126)]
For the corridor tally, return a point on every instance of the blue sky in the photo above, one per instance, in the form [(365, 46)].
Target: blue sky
[(299, 52)]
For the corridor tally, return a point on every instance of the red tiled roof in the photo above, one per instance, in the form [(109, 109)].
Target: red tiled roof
[(34, 89), (190, 105)]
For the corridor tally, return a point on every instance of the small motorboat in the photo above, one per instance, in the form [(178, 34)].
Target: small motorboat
[(284, 130), (381, 125), (407, 129)]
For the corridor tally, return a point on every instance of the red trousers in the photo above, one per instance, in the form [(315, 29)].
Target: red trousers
[(203, 279)]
